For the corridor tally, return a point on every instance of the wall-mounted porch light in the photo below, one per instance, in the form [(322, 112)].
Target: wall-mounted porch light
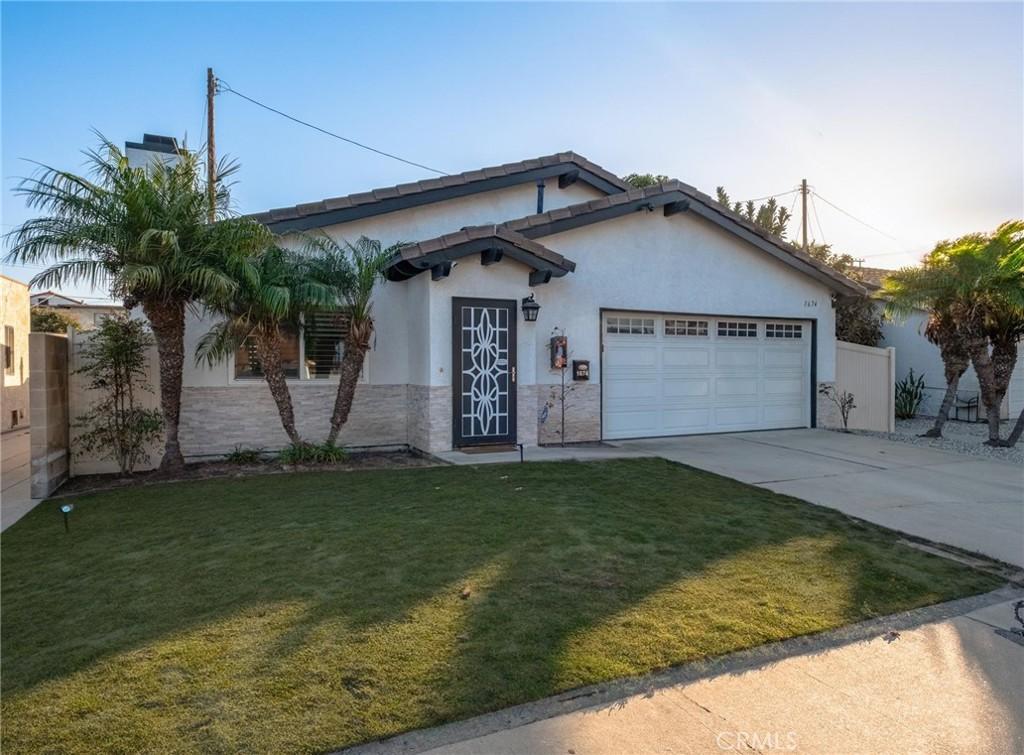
[(530, 309)]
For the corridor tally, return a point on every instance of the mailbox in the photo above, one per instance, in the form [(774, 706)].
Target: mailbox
[(581, 369)]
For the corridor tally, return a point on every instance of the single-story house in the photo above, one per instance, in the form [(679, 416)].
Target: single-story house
[(678, 317), (89, 316), (914, 351)]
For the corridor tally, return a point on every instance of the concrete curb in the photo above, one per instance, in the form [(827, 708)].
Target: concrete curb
[(613, 692)]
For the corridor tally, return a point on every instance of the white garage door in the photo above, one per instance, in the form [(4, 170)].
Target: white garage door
[(682, 374)]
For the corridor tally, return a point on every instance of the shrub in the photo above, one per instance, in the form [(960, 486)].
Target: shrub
[(909, 395), (47, 320), (843, 400), (115, 426), (241, 455), (311, 453)]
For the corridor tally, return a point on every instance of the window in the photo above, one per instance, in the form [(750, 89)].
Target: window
[(783, 330), (314, 356), (9, 349), (637, 326), (686, 327), (731, 329), (324, 341)]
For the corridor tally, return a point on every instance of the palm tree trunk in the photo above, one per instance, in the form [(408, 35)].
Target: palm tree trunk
[(955, 366), (351, 366), (167, 318), (268, 348), (1015, 433), (992, 379)]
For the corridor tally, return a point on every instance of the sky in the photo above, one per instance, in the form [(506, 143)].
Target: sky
[(909, 117)]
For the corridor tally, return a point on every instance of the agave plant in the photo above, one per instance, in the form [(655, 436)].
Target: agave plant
[(143, 233)]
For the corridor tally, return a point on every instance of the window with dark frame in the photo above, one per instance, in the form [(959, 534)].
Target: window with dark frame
[(783, 330), (737, 329), (686, 327), (317, 356), (9, 349), (636, 326)]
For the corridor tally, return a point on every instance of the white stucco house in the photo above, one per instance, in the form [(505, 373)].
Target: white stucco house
[(691, 320)]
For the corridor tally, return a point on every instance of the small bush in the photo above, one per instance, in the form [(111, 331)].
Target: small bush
[(242, 455), (47, 320), (311, 453), (909, 395)]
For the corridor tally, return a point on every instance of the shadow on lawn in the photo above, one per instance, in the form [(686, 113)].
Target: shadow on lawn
[(576, 573)]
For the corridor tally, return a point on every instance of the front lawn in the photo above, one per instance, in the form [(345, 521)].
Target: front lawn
[(312, 611)]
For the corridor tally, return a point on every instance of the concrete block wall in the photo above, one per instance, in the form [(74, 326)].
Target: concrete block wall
[(50, 434)]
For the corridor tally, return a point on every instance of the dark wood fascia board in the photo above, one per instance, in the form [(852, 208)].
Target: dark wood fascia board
[(419, 199), (491, 256), (568, 179), (674, 208), (403, 269), (607, 213)]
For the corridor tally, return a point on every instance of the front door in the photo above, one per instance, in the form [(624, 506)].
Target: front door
[(484, 371)]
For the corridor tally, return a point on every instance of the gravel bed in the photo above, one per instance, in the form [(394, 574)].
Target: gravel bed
[(961, 437)]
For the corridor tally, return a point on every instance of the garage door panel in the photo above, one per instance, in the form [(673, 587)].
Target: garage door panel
[(680, 379), (793, 386), (736, 387), (693, 357), (632, 355), (682, 421), (783, 415), (737, 417), (793, 358), (733, 357), (635, 389), (685, 387)]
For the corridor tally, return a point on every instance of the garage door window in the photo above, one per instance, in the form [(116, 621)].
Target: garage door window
[(686, 327), (636, 326), (783, 330), (729, 329)]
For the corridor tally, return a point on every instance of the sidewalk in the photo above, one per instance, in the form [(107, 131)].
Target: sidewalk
[(935, 680)]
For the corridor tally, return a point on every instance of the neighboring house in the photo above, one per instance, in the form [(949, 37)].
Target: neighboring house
[(89, 316), (15, 322), (914, 351), (692, 320)]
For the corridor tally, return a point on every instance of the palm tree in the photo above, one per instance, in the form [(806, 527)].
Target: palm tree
[(143, 232), (771, 216), (262, 308), (938, 287), (354, 270), (976, 311)]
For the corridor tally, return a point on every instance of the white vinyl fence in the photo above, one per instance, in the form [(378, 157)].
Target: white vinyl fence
[(870, 375)]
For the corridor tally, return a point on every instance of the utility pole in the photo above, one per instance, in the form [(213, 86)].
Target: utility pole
[(211, 150), (803, 201)]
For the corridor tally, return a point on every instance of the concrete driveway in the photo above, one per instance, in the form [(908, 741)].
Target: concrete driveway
[(967, 502)]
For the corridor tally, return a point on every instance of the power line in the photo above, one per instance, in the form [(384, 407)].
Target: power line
[(814, 210), (222, 86), (770, 196), (862, 222)]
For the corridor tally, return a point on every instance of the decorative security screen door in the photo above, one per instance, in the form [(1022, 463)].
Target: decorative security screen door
[(484, 371)]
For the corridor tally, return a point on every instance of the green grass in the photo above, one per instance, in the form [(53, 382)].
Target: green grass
[(309, 612)]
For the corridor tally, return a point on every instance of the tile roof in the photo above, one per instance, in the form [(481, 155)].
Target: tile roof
[(665, 192), (466, 180), (414, 258)]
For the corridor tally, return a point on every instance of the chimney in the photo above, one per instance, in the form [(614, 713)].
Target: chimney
[(152, 147)]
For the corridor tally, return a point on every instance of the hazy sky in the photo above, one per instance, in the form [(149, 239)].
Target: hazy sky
[(908, 116)]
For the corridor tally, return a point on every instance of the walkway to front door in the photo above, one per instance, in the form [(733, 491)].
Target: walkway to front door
[(483, 371)]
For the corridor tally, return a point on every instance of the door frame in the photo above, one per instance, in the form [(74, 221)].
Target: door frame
[(513, 431)]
